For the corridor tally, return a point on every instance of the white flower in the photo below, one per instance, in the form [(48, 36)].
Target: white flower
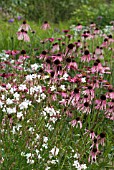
[(62, 87), (37, 151), (3, 97), (46, 77), (65, 76), (30, 161), (31, 129), (22, 153), (13, 130), (22, 87), (9, 101), (19, 115), (43, 96), (3, 110), (1, 104), (39, 100), (53, 88), (1, 88), (38, 88), (47, 168), (55, 151), (39, 156), (28, 155), (37, 136), (16, 96), (25, 104), (49, 127), (29, 77), (43, 113), (12, 90), (76, 164), (45, 146), (12, 61), (83, 166), (8, 86), (45, 139), (31, 90), (14, 80), (76, 155), (34, 66), (34, 76), (39, 76), (54, 161), (83, 79), (18, 126), (53, 119), (46, 109), (11, 110)]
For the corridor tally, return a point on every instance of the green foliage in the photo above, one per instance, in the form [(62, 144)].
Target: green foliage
[(99, 12), (73, 11)]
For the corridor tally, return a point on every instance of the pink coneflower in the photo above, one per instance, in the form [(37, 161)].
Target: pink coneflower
[(65, 31), (55, 47), (69, 49), (63, 102), (85, 34), (78, 44), (110, 39), (89, 91), (111, 103), (101, 103), (43, 55), (109, 113), (79, 27), (95, 83), (92, 25), (98, 50), (72, 65), (57, 57), (95, 143), (75, 122), (92, 134), (51, 39), (101, 138), (86, 98), (105, 43), (92, 157), (96, 31), (13, 52), (24, 27), (23, 56), (97, 68), (110, 93), (69, 36), (69, 113), (74, 96), (45, 26), (85, 107), (86, 57), (47, 64), (22, 35)]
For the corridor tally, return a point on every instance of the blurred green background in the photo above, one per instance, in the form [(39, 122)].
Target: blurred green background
[(71, 11)]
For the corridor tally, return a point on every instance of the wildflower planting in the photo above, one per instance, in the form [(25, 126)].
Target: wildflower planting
[(57, 98)]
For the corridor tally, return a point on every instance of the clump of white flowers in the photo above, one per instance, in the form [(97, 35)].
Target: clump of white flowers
[(4, 56), (53, 115), (25, 104)]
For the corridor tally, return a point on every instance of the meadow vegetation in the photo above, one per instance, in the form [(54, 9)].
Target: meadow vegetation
[(56, 92)]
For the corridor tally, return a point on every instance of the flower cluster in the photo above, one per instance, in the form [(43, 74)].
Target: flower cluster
[(54, 98)]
